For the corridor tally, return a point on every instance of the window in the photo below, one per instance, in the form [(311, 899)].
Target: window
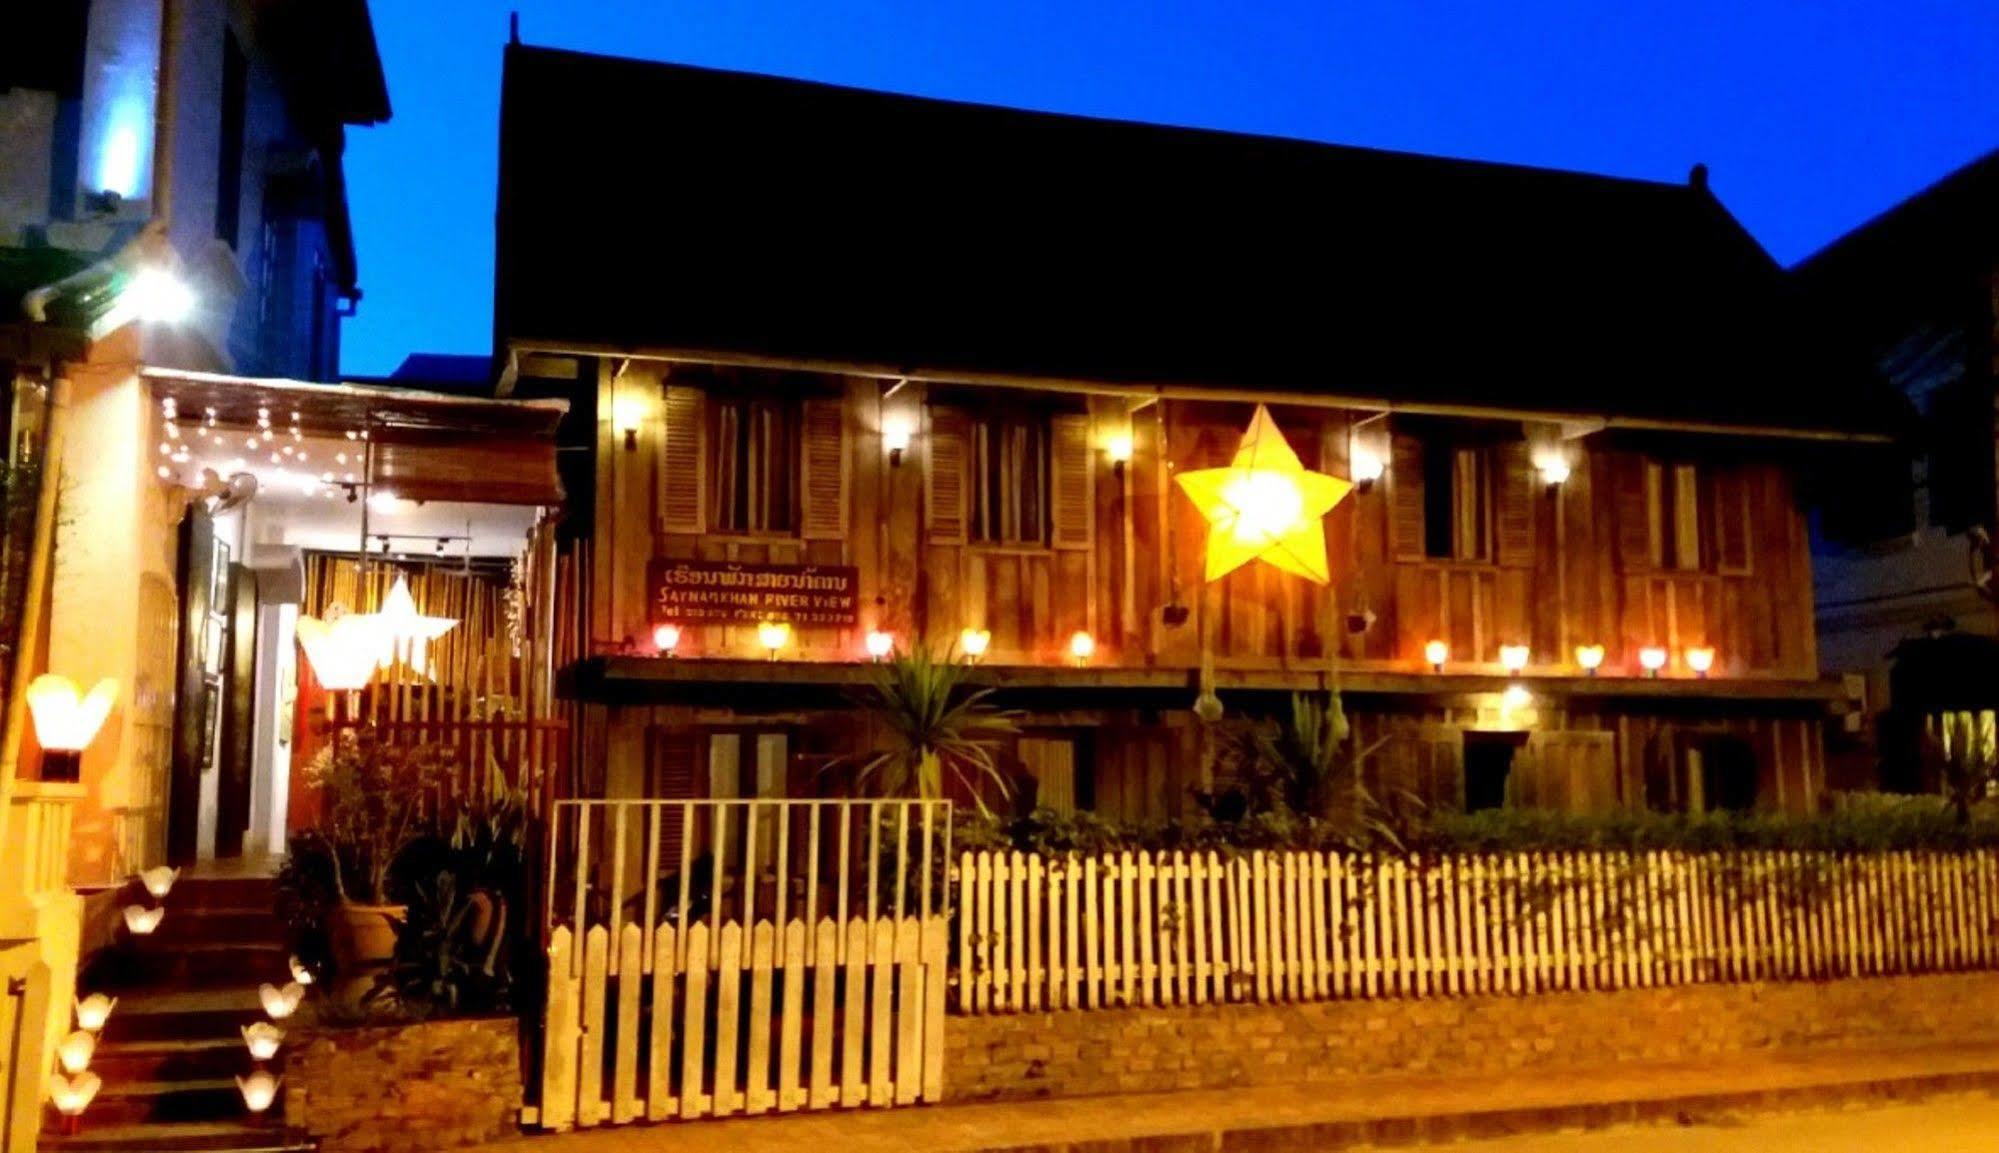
[(1488, 764), (1674, 520), (1009, 474), (1457, 503), (754, 457), (1685, 516), (229, 161)]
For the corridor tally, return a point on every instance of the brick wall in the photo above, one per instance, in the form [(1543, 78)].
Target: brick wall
[(1210, 1047), (408, 1087)]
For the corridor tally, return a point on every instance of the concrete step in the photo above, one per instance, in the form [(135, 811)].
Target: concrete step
[(223, 893), (220, 926), (161, 963), (176, 1137), (175, 1059), (140, 1102), (215, 1013)]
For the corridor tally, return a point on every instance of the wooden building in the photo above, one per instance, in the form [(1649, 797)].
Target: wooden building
[(865, 363)]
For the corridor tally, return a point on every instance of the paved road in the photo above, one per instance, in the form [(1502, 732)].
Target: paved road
[(1944, 1125)]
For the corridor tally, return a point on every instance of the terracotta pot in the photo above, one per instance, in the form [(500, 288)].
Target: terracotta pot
[(363, 937)]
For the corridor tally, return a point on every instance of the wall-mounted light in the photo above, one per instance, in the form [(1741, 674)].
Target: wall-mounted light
[(1589, 658), (1081, 646), (666, 639), (1514, 657), (73, 1053), (93, 1011), (141, 921), (1652, 658), (880, 644), (974, 643), (1700, 660), (262, 1039), (773, 635), (159, 880), (1436, 652), (896, 431), (1118, 448), (1515, 698), (259, 1089), (157, 296), (1367, 467), (1552, 465), (67, 721), (628, 413)]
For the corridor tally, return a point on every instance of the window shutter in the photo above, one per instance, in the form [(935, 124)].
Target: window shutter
[(823, 482), (1405, 498), (1631, 492), (944, 476), (1071, 480), (1733, 550), (682, 464), (1514, 480)]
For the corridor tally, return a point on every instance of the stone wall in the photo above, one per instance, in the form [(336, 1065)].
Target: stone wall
[(1212, 1047), (406, 1087)]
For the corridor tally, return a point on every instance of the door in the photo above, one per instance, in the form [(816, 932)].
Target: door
[(195, 702), (239, 683), (1571, 772)]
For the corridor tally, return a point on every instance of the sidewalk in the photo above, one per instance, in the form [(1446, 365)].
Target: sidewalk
[(1381, 1110)]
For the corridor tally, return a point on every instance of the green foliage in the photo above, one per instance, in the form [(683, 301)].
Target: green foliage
[(374, 799), (1862, 823), (939, 730), (1299, 775)]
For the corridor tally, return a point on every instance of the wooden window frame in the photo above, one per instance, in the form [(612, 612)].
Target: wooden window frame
[(746, 487), (1468, 534), (992, 495)]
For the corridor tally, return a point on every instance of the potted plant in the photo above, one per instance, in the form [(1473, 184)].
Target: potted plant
[(939, 732), (374, 801)]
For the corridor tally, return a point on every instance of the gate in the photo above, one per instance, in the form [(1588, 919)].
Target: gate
[(725, 958)]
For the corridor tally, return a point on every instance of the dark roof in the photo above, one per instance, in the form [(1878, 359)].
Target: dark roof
[(1924, 260), (445, 371), (649, 206)]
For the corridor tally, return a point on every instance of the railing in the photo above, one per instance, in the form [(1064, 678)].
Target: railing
[(711, 958), (1190, 928), (34, 862)]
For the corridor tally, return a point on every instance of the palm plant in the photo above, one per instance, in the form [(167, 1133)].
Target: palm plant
[(939, 729), (1305, 765)]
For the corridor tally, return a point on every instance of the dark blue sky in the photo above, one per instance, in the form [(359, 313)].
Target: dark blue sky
[(1813, 115)]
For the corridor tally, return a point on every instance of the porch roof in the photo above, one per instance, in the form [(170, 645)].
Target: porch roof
[(620, 680)]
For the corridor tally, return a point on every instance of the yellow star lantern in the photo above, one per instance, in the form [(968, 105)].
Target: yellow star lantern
[(1265, 506)]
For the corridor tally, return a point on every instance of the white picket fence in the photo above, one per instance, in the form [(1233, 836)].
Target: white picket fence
[(1191, 928), (680, 1001)]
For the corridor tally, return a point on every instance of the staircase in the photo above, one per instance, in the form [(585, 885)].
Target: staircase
[(171, 1052)]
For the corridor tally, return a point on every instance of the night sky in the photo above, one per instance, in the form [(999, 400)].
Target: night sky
[(1813, 116)]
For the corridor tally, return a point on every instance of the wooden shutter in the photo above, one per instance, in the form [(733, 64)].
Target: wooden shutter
[(944, 475), (1052, 764), (1733, 546), (1514, 484), (1631, 493), (823, 470), (1686, 526), (676, 752), (1405, 498), (683, 462), (1573, 772), (1071, 491)]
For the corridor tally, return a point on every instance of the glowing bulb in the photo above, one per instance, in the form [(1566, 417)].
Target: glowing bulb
[(1552, 465), (1514, 657), (773, 635), (974, 642), (1081, 646), (300, 973), (1367, 465), (159, 880), (382, 500), (1437, 652), (628, 412), (72, 1095), (880, 644), (280, 1003), (75, 1050), (1118, 447), (1652, 659), (1268, 506), (1515, 697), (1589, 657), (141, 921), (896, 432), (93, 1011), (262, 1039), (157, 296), (1700, 660), (259, 1089), (666, 638)]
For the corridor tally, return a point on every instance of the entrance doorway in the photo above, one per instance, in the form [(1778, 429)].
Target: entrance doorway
[(1488, 769)]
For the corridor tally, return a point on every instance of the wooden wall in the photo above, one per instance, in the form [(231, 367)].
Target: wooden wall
[(1138, 548)]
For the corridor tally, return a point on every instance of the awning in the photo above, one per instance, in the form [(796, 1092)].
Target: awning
[(427, 446)]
